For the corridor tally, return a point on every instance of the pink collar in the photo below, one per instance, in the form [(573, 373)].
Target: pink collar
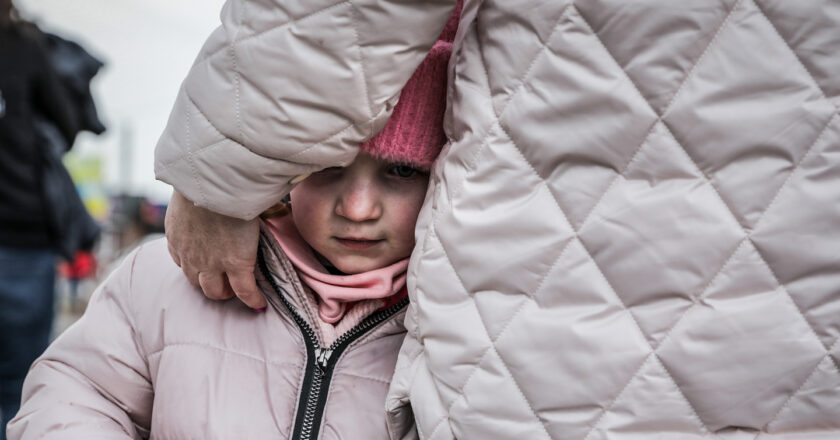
[(335, 291)]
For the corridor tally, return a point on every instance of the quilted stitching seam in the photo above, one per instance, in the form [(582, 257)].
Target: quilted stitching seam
[(260, 34), (697, 62), (795, 55), (630, 161), (749, 238), (748, 233), (486, 333), (498, 117), (796, 168), (499, 335), (191, 153), (522, 80), (696, 299), (808, 379), (742, 243), (236, 74), (659, 119), (667, 106), (519, 389), (474, 158), (639, 369), (275, 27), (361, 58), (633, 84), (226, 350)]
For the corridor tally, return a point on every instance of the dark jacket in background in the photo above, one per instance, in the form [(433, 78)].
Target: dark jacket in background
[(45, 81), (29, 87)]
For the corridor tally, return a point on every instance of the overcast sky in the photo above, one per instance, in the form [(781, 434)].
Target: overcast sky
[(148, 47)]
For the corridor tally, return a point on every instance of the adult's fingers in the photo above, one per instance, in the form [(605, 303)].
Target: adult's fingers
[(214, 285), (244, 285), (191, 273)]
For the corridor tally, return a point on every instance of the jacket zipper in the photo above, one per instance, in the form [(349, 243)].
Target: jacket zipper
[(320, 362)]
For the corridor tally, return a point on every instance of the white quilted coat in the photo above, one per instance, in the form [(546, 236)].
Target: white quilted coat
[(633, 234)]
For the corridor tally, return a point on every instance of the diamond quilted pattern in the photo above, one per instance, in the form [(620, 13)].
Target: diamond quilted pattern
[(598, 120), (259, 17), (523, 204), (724, 354), (672, 234), (532, 27), (251, 55), (810, 28), (422, 382), (484, 415), (651, 402), (656, 44), (572, 312), (452, 331), (732, 98), (643, 255), (800, 232), (814, 406)]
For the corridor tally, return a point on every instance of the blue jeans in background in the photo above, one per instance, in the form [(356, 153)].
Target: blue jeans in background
[(27, 284)]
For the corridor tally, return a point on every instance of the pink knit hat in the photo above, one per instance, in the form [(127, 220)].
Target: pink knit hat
[(414, 133)]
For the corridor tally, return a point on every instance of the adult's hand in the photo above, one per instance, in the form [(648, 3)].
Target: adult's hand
[(217, 253)]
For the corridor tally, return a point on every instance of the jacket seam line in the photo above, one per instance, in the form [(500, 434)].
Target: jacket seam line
[(473, 160), (236, 73), (644, 362), (807, 380), (748, 234), (132, 315), (796, 168), (166, 346), (350, 125), (522, 81), (519, 389), (491, 345), (191, 153), (196, 152), (260, 34), (366, 90), (796, 56)]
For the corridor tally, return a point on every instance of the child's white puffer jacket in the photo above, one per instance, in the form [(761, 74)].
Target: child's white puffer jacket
[(153, 358)]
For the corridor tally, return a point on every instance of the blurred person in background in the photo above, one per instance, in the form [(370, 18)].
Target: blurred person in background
[(41, 214)]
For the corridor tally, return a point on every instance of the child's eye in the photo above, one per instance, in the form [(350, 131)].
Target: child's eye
[(403, 171)]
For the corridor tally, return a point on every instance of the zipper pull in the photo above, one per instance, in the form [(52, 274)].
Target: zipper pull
[(322, 357)]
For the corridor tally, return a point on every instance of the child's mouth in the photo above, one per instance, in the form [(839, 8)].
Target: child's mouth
[(357, 244)]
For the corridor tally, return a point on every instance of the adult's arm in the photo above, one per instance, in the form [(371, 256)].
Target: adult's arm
[(93, 381), (285, 88), (282, 89)]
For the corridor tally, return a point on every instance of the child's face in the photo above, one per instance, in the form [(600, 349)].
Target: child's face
[(360, 217)]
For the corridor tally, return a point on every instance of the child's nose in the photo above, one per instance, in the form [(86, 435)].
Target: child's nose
[(359, 203)]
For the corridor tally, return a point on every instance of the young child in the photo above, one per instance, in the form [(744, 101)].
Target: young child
[(153, 357)]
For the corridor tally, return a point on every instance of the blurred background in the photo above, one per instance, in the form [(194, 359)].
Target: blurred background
[(86, 87), (147, 47)]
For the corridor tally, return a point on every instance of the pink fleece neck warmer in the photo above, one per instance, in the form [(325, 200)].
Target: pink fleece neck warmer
[(335, 291)]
